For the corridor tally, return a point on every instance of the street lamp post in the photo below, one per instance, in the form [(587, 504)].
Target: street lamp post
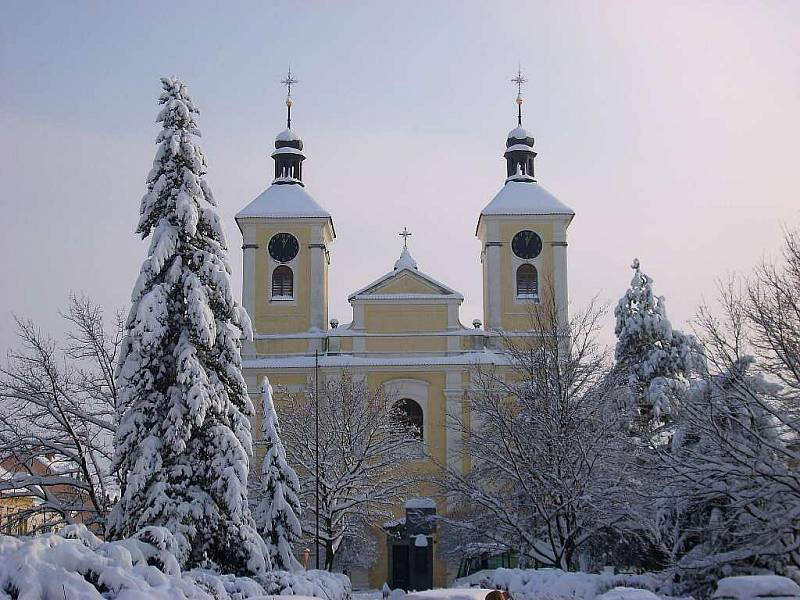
[(316, 451)]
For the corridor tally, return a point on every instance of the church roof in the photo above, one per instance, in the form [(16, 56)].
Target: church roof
[(284, 201), (287, 135), (519, 133), (525, 198), (406, 261)]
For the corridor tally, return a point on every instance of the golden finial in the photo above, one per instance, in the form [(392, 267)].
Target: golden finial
[(289, 81), (519, 80)]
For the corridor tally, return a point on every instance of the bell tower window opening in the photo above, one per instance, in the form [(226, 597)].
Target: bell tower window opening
[(282, 283), (527, 281), (410, 414)]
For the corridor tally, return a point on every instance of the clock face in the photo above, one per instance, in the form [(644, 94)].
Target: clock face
[(526, 244), (283, 247)]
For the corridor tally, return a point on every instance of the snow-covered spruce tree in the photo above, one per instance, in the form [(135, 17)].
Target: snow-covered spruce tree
[(656, 358), (278, 508), (184, 441)]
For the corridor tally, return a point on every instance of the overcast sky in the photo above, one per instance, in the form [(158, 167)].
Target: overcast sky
[(672, 129)]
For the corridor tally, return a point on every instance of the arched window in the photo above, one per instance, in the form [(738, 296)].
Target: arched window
[(282, 283), (411, 415), (527, 281)]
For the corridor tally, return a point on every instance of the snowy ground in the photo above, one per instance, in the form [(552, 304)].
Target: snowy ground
[(367, 595), (552, 584)]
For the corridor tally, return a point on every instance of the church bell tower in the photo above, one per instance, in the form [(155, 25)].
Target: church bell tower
[(286, 239), (523, 232)]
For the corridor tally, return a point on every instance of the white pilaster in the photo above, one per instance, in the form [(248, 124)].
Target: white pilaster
[(454, 395), (560, 286), (492, 248), (249, 249), (317, 283)]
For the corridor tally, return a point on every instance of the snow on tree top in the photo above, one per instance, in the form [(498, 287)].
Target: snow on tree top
[(284, 201), (287, 135), (525, 198)]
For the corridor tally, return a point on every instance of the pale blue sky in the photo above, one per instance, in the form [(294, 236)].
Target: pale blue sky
[(672, 129)]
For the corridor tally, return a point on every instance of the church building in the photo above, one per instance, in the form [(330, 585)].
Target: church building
[(406, 335)]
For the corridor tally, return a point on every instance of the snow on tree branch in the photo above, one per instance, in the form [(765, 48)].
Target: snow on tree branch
[(58, 413), (545, 437), (364, 443)]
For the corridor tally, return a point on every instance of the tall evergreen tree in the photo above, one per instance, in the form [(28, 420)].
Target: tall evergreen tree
[(184, 442), (655, 357), (278, 509)]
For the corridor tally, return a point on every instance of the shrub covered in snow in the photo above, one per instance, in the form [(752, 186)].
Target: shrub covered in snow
[(554, 584), (750, 587), (320, 584), (76, 564), (627, 593)]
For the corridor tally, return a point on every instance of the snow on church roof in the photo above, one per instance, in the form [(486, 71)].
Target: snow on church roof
[(519, 133), (284, 201), (287, 135), (406, 261), (525, 198)]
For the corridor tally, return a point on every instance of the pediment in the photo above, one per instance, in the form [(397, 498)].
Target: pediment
[(406, 283)]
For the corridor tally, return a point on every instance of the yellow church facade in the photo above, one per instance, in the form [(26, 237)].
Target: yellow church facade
[(405, 336)]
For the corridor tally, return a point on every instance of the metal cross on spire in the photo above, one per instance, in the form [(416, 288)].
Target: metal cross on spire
[(519, 80), (289, 81), (405, 235)]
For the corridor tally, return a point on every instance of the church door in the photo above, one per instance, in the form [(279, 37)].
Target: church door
[(399, 572)]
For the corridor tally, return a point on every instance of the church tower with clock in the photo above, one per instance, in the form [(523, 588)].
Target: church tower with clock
[(523, 232), (405, 336), (286, 236)]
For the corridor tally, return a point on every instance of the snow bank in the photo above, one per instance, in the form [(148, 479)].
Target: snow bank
[(76, 564), (746, 587), (554, 584), (627, 593), (449, 594), (321, 584)]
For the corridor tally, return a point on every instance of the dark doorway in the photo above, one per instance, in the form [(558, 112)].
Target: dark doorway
[(399, 562), (410, 544), (421, 572)]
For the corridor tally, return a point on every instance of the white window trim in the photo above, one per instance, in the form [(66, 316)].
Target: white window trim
[(292, 298), (274, 264), (516, 263), (418, 391)]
